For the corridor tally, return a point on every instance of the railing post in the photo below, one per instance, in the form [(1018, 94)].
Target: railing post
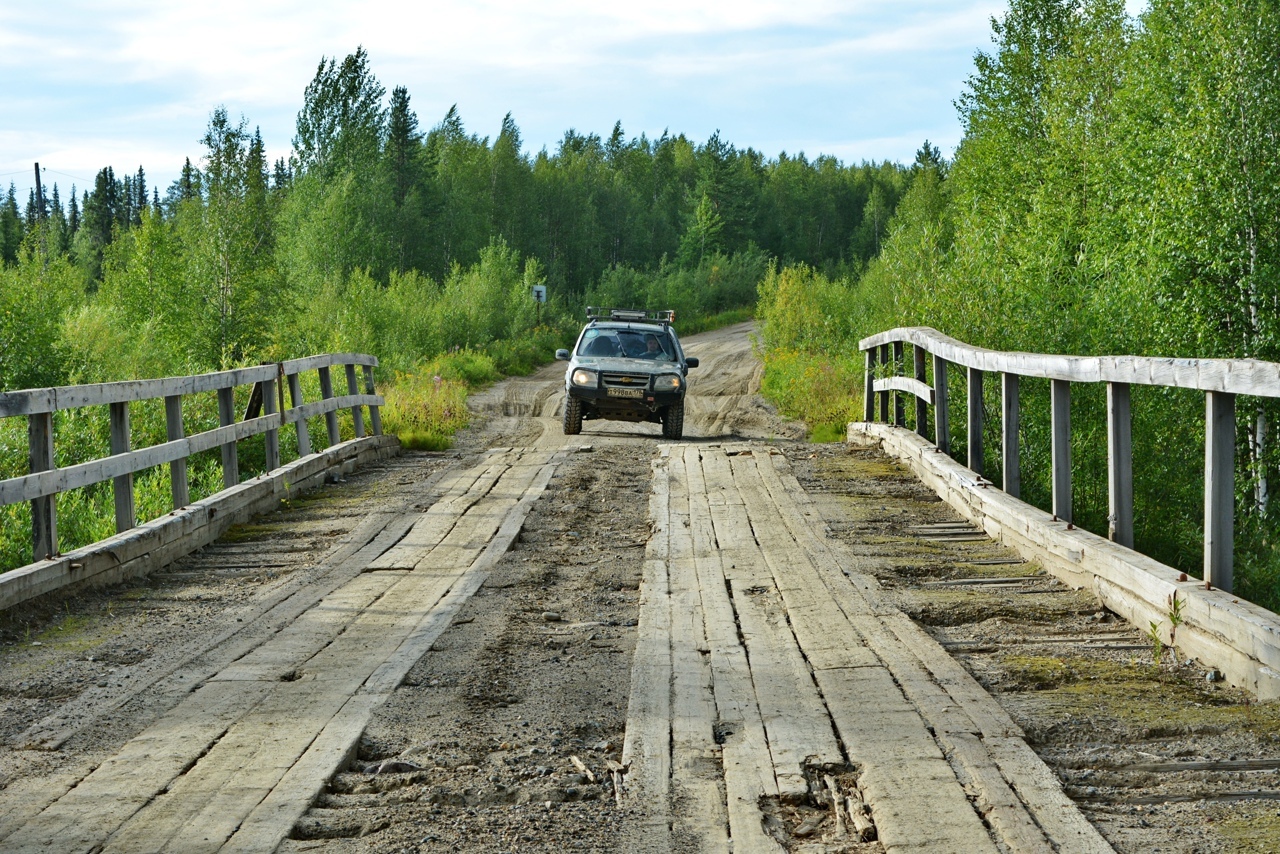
[(374, 416), (922, 406), (975, 420), (869, 389), (899, 407), (1219, 489), (122, 486), (272, 436), (1009, 434), (295, 400), (178, 468), (227, 417), (326, 393), (941, 421), (1119, 465), (884, 395), (44, 511), (1060, 408), (357, 414)]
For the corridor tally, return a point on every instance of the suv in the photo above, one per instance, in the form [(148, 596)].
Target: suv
[(627, 366)]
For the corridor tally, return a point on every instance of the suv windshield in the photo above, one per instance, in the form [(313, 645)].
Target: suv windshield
[(629, 343)]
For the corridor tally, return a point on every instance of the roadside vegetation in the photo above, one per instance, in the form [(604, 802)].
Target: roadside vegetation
[(1116, 192), (420, 247)]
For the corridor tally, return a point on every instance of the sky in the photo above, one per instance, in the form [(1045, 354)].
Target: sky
[(126, 83)]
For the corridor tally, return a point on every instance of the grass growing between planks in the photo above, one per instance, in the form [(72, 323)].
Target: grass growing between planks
[(1148, 700)]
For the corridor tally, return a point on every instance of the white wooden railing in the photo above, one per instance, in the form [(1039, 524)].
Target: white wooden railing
[(266, 414), (1220, 380)]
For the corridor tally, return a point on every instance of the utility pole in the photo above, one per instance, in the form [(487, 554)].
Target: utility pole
[(40, 213)]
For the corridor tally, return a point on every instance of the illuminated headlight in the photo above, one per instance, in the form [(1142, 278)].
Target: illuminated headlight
[(667, 382), (583, 377)]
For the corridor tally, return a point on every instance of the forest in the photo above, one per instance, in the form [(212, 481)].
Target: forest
[(375, 235), (1116, 191)]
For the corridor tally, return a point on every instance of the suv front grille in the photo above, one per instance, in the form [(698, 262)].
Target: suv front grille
[(619, 380)]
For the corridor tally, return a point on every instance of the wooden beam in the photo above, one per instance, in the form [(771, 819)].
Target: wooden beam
[(295, 400), (122, 485), (1219, 489), (101, 394), (869, 387), (922, 406), (975, 420), (908, 385), (44, 510), (357, 414), (326, 392), (899, 411), (1119, 465), (1009, 434), (1060, 408), (1234, 376), (272, 437), (177, 468), (227, 417), (375, 415), (884, 395), (941, 422)]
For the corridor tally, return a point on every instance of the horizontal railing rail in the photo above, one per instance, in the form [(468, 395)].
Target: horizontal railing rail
[(265, 416), (1220, 380)]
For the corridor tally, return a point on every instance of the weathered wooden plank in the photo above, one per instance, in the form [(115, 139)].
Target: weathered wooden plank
[(747, 766), (330, 416), (270, 406), (357, 414), (1060, 451), (174, 431), (227, 418), (869, 387), (122, 785), (920, 357), (886, 361), (695, 768), (271, 820), (899, 414), (374, 412), (922, 391), (941, 419), (1233, 376), (44, 510), (297, 410), (1119, 465), (646, 746), (974, 415), (122, 485), (1219, 489), (311, 363), (1010, 463)]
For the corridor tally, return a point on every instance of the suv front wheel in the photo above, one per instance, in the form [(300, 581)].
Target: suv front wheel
[(673, 421), (572, 416)]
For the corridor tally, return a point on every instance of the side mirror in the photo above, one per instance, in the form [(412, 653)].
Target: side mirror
[(562, 355), (691, 363)]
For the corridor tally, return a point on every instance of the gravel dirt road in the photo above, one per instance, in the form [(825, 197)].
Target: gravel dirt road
[(504, 726)]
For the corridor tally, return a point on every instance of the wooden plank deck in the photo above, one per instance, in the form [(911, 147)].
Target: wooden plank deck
[(812, 672)]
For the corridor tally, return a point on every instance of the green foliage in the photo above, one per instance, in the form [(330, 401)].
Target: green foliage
[(1115, 192)]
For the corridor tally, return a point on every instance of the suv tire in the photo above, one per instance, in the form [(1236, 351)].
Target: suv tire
[(572, 416), (673, 421)]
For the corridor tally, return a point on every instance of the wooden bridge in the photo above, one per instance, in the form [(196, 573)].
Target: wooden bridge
[(774, 692)]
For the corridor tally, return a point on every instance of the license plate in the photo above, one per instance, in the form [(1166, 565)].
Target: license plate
[(626, 392)]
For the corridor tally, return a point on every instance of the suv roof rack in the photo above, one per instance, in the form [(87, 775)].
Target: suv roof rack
[(632, 315)]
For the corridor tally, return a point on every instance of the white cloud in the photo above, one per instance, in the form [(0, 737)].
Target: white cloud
[(129, 81)]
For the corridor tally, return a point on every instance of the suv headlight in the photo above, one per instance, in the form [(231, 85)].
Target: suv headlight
[(667, 382), (581, 376)]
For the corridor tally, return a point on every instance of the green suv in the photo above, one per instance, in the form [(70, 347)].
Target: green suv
[(626, 366)]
